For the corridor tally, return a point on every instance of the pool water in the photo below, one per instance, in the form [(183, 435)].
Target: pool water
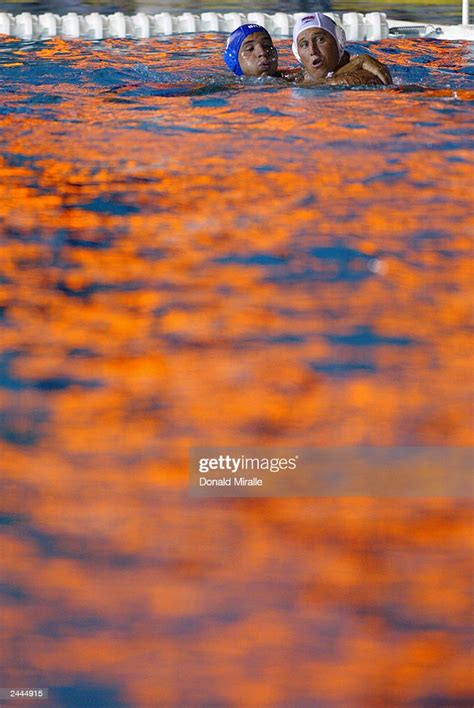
[(188, 258)]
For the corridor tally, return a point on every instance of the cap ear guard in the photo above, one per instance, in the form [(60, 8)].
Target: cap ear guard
[(340, 40), (231, 55), (294, 49)]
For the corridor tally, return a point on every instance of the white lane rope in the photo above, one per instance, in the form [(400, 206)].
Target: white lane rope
[(370, 27)]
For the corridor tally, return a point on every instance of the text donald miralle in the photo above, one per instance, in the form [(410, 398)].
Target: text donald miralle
[(233, 467)]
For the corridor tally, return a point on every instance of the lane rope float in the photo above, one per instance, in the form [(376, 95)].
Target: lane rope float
[(370, 27)]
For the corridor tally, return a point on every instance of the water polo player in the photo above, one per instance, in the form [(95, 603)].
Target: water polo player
[(250, 52), (319, 44)]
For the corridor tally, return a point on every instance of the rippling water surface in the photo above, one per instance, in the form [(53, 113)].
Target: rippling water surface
[(190, 259)]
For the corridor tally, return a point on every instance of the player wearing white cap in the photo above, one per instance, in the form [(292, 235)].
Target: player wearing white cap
[(319, 44)]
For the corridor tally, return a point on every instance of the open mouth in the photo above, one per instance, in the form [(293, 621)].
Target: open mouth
[(317, 62)]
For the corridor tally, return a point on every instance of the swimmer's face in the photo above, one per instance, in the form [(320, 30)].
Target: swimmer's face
[(258, 56), (318, 51)]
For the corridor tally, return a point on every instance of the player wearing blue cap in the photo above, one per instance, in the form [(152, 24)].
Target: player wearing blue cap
[(250, 52)]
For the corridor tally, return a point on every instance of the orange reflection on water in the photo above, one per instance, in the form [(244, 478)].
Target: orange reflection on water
[(180, 271)]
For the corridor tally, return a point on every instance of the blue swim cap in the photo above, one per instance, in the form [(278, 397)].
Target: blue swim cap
[(231, 54)]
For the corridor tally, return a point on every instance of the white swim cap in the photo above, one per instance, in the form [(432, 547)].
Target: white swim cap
[(317, 19)]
